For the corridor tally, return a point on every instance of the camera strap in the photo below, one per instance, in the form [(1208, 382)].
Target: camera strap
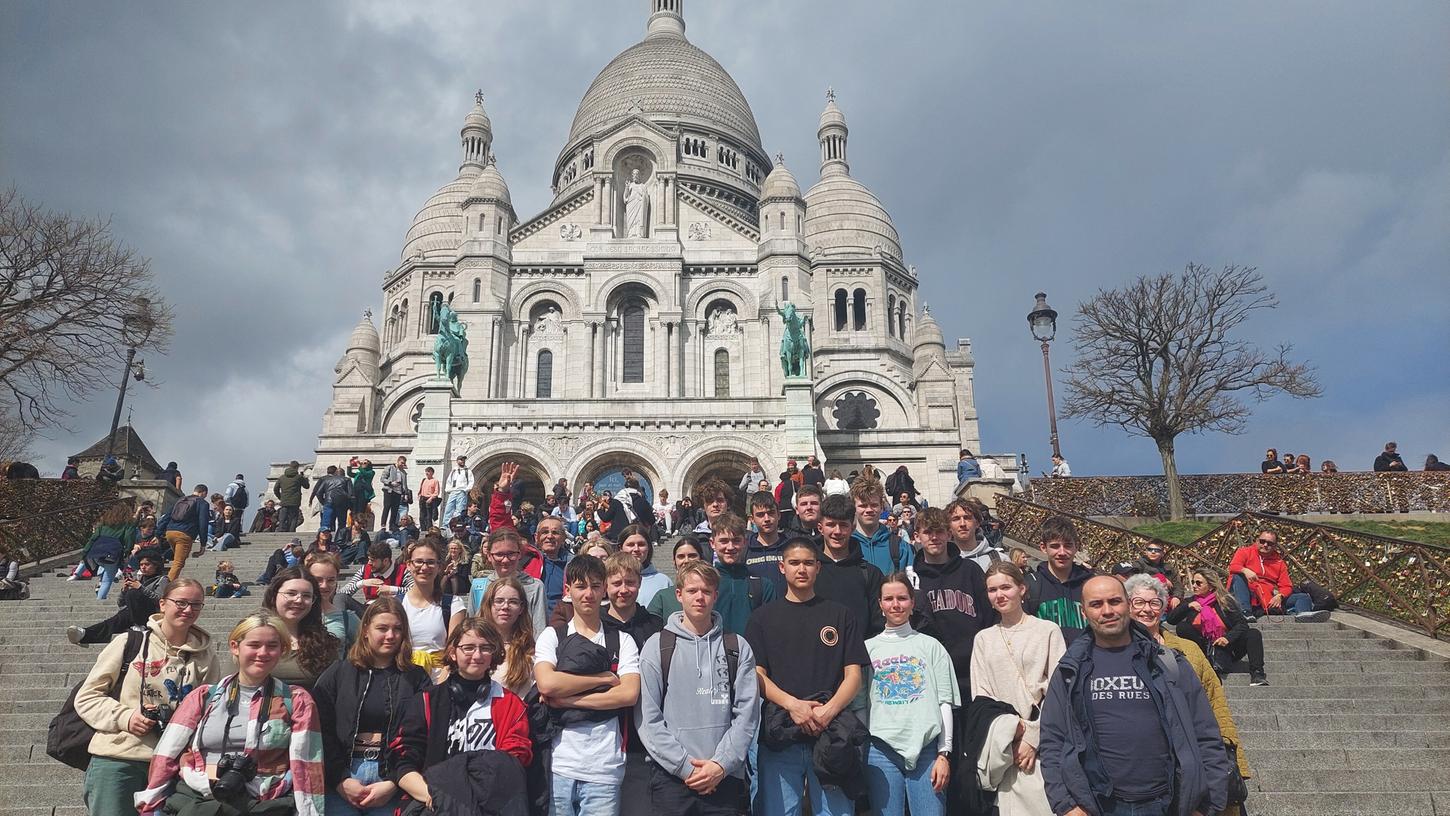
[(234, 695)]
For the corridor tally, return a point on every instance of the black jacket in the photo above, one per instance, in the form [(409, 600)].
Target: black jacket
[(897, 483), (855, 584), (813, 475), (1234, 622), (1386, 462), (976, 722), (1147, 567), (332, 489), (615, 517), (1059, 601), (838, 754), (339, 693), (478, 783), (952, 598)]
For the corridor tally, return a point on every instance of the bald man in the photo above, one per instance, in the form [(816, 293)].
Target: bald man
[(1120, 678)]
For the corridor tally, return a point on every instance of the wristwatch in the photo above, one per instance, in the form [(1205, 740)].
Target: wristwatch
[(944, 754)]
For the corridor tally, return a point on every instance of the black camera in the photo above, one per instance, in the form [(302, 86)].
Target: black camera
[(233, 772), (161, 715)]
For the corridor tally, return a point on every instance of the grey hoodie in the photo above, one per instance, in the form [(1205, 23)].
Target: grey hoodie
[(697, 721)]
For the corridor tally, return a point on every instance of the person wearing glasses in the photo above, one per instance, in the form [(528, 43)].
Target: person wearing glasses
[(360, 702), (1259, 581), (469, 712), (431, 613), (1147, 598), (1213, 619), (129, 708), (504, 549), (1012, 663), (296, 599)]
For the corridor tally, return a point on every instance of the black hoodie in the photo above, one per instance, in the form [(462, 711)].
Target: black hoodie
[(1060, 601), (856, 585), (952, 598)]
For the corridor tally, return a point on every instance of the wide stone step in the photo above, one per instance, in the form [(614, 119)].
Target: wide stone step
[(1398, 780), (1384, 705), (1352, 741), (1292, 726), (1238, 682), (1346, 803), (1409, 687), (1329, 758)]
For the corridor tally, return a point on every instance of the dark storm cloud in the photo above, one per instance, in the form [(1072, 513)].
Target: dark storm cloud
[(269, 157)]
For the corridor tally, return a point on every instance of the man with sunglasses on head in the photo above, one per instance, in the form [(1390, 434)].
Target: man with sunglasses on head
[(1259, 581)]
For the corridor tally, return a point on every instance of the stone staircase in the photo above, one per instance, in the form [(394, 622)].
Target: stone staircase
[(1353, 723)]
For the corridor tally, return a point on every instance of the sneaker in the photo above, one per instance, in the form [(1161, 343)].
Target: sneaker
[(1320, 616), (74, 577), (1251, 617), (74, 635), (1258, 678)]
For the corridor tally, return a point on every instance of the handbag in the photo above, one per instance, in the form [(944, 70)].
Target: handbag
[(407, 496), (1238, 789), (69, 736)]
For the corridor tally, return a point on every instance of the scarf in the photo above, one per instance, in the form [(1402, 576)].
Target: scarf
[(1209, 622)]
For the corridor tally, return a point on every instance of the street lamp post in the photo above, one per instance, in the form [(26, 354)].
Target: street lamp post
[(136, 326), (1043, 322)]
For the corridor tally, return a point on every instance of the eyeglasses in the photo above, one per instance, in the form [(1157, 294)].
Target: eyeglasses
[(475, 648), (184, 605), (1274, 541), (1145, 603), (506, 556), (294, 595), (425, 563), (507, 602)]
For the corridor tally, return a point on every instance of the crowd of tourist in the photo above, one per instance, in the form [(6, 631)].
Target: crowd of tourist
[(865, 651)]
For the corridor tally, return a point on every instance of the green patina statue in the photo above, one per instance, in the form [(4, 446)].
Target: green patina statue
[(450, 350), (795, 347)]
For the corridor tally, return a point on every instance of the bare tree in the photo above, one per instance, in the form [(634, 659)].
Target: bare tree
[(15, 438), (1157, 358), (73, 299)]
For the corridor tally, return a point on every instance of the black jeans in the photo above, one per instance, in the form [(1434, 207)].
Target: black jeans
[(428, 512), (670, 797), (136, 609), (1248, 643), (391, 502), (288, 518)]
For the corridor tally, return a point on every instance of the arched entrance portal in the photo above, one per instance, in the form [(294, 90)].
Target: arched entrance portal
[(726, 465), (531, 476), (607, 471)]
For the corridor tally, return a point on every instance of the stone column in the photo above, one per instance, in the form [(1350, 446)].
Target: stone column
[(669, 358), (680, 360), (492, 356), (524, 361), (593, 356)]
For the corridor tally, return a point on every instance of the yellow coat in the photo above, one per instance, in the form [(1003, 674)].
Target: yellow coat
[(1214, 689)]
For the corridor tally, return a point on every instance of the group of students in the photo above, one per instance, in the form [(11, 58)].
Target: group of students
[(818, 657)]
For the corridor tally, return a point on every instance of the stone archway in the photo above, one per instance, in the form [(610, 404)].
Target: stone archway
[(605, 471), (534, 477), (726, 464)]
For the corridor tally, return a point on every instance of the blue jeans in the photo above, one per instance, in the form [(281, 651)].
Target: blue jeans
[(893, 788), (366, 772), (1153, 807), (456, 504), (1293, 605), (227, 541), (574, 798), (108, 577), (328, 520), (780, 784)]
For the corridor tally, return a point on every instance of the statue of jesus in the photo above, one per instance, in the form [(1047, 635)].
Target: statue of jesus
[(636, 205)]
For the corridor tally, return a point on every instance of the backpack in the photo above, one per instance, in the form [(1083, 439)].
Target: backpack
[(240, 499), (754, 592), (106, 550), (667, 653), (183, 510), (69, 737)]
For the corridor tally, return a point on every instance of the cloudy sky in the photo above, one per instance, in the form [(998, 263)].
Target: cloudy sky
[(269, 156)]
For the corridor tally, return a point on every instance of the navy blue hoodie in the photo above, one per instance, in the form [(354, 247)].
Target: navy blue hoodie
[(952, 600)]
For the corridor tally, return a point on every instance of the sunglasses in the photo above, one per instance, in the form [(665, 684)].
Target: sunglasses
[(1153, 549)]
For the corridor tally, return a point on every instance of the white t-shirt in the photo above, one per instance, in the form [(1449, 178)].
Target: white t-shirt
[(582, 751), (426, 625)]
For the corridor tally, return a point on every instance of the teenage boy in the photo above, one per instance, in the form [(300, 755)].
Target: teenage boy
[(845, 576), (1057, 593), (698, 737), (505, 547), (807, 516), (878, 544), (966, 525), (713, 497), (625, 615), (952, 590), (381, 575), (588, 750), (810, 657), (184, 523), (741, 593), (762, 547)]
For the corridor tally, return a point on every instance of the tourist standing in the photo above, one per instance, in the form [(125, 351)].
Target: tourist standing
[(844, 575), (289, 489), (428, 500), (1390, 461), (361, 472), (395, 489), (186, 521), (1056, 595), (953, 592), (504, 549), (109, 545), (431, 614), (1126, 728), (460, 482)]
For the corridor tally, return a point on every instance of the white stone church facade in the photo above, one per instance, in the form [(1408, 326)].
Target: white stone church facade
[(633, 323)]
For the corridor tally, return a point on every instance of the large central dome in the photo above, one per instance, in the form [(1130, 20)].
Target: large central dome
[(671, 81)]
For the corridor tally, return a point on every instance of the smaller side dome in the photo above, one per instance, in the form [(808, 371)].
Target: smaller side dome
[(832, 115), (781, 182), (364, 343), (928, 339), (490, 184)]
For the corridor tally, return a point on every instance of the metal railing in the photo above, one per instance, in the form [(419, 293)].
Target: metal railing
[(1230, 493), (1406, 582)]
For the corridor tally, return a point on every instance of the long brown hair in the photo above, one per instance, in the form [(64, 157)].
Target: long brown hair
[(361, 654), (116, 515), (317, 647), (520, 646), (440, 552)]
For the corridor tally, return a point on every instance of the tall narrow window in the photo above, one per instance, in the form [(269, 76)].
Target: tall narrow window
[(477, 289), (435, 300), (840, 310), (784, 288), (891, 315), (722, 373), (901, 317), (544, 388), (634, 343), (858, 310)]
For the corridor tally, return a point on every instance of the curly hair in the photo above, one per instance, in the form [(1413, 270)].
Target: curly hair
[(317, 648)]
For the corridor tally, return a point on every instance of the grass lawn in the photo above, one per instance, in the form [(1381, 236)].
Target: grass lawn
[(1428, 532)]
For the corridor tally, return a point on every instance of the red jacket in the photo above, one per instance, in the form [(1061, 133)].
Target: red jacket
[(498, 512), (1271, 570), (422, 737)]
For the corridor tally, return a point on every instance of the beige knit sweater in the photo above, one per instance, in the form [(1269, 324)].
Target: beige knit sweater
[(1035, 647)]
